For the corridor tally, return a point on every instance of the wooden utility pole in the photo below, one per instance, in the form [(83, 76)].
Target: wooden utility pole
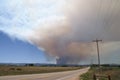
[(98, 76), (97, 44)]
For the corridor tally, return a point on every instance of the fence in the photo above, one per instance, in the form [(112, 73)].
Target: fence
[(97, 77)]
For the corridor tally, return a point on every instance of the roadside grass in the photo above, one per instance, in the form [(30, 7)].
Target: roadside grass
[(114, 72), (88, 75), (14, 70)]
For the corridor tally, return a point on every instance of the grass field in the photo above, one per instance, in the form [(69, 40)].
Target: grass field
[(10, 70), (114, 72)]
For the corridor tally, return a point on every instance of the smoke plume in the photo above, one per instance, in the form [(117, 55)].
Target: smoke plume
[(69, 26)]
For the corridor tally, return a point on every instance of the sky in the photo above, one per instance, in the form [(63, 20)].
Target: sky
[(16, 51), (14, 21), (40, 31)]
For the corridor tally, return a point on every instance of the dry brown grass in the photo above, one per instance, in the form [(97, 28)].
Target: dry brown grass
[(8, 70)]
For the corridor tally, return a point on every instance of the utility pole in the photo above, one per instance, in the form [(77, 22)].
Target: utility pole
[(97, 44)]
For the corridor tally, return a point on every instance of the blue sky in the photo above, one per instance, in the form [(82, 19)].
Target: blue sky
[(16, 51)]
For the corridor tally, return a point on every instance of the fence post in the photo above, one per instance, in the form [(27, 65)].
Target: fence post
[(109, 77), (94, 77)]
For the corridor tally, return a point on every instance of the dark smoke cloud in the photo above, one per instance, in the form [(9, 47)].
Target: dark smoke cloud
[(86, 20)]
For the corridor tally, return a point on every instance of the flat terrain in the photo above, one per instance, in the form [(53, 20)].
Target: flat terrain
[(66, 75), (114, 72), (8, 70)]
